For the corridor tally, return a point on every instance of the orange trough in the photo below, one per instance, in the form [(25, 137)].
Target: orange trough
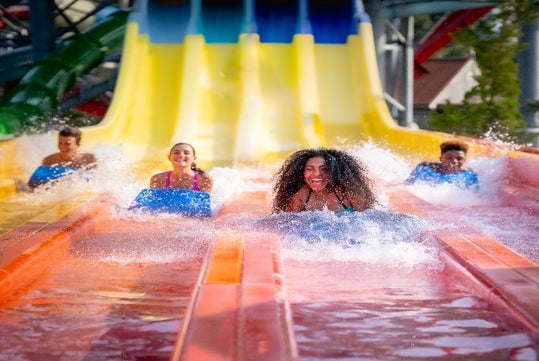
[(502, 273)]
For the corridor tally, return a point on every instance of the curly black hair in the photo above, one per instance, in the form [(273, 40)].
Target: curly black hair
[(345, 173)]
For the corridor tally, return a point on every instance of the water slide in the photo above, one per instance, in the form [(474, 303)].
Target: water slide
[(82, 278)]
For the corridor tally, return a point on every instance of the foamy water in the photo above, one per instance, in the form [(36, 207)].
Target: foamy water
[(115, 175), (373, 236), (484, 209)]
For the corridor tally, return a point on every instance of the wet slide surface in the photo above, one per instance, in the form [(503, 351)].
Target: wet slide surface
[(386, 288), (119, 291), (131, 285)]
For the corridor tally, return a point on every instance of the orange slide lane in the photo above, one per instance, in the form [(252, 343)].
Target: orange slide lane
[(522, 189), (237, 308), (98, 279), (31, 248), (521, 196), (236, 312), (513, 280)]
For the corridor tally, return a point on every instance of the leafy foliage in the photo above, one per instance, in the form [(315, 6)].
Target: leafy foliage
[(492, 106)]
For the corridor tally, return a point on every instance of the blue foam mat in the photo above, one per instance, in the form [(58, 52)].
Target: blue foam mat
[(46, 173), (171, 200)]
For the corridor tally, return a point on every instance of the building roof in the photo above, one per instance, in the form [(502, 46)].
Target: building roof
[(439, 72)]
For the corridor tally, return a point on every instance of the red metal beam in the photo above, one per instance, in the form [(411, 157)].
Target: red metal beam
[(440, 35), (18, 11)]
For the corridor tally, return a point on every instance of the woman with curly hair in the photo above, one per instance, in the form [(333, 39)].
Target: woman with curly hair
[(322, 179)]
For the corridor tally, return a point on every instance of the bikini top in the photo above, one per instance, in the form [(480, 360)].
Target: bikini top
[(195, 180), (345, 208)]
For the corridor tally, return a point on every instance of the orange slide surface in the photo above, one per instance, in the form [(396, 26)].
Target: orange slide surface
[(211, 298), (126, 287), (506, 276)]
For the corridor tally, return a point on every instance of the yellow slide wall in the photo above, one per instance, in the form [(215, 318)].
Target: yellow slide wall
[(250, 102), (247, 102)]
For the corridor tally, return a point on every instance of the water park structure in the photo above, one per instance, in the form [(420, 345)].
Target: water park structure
[(248, 83)]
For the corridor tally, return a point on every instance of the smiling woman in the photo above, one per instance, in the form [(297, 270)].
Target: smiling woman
[(184, 173), (322, 179), (183, 190)]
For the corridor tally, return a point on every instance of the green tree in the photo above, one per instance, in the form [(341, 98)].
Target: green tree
[(492, 107)]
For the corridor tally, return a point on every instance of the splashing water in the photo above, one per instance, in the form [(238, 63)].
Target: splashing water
[(372, 236), (116, 176)]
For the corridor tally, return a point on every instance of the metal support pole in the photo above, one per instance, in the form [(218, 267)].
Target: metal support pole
[(408, 94), (42, 30), (528, 73)]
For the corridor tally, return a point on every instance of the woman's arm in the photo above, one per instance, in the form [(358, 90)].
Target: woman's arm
[(354, 200), (206, 183)]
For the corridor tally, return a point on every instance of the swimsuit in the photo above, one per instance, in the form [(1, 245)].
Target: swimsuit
[(345, 208), (195, 180)]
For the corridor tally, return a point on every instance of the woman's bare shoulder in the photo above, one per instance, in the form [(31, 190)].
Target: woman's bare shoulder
[(159, 175), (206, 182), (206, 175), (297, 201), (158, 180)]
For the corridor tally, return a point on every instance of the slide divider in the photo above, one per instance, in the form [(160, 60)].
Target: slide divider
[(509, 278), (193, 64), (238, 310), (312, 131), (251, 118)]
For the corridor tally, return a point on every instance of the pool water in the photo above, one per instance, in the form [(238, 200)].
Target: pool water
[(357, 311)]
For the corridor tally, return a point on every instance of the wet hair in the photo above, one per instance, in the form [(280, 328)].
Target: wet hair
[(193, 165), (345, 173), (69, 131), (453, 145)]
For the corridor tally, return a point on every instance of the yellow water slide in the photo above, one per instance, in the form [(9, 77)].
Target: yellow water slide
[(250, 102)]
